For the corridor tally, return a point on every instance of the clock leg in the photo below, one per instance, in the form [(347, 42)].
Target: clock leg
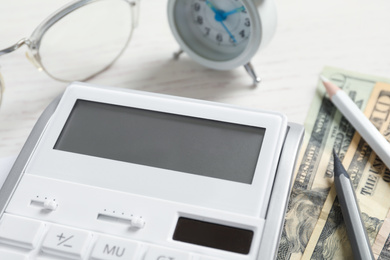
[(177, 54), (249, 68)]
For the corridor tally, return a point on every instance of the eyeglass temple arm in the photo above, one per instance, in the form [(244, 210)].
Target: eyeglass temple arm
[(15, 46)]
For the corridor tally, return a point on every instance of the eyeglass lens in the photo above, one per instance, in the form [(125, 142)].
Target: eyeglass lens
[(87, 40)]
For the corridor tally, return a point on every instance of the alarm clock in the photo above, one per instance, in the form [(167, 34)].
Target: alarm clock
[(222, 34)]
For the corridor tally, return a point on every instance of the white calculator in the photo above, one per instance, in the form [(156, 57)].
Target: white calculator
[(112, 174)]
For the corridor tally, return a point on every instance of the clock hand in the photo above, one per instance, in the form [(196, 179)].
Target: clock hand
[(219, 17), (230, 34), (237, 10), (209, 4), (219, 14)]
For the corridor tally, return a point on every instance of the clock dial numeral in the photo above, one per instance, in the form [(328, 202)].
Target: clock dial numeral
[(247, 22), (199, 19), (219, 37), (242, 33), (207, 31), (197, 7)]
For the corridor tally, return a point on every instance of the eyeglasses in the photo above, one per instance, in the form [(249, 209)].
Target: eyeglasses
[(80, 40)]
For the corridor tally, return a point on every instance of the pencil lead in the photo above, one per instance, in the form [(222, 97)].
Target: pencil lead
[(338, 168), (331, 88), (324, 79)]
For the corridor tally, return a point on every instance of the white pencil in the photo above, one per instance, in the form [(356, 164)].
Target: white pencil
[(359, 121)]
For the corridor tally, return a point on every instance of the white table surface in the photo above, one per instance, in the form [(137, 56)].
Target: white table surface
[(350, 34)]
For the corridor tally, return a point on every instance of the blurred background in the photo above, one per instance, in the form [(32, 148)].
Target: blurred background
[(352, 35)]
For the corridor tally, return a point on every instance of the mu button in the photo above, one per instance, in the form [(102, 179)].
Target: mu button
[(109, 248)]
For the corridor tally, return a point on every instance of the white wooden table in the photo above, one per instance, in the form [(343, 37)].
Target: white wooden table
[(350, 34)]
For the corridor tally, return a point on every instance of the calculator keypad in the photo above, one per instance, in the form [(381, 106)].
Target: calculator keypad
[(27, 239)]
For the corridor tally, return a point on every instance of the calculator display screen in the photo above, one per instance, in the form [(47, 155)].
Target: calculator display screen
[(162, 140)]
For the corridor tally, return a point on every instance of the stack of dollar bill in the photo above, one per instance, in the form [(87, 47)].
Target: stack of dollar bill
[(314, 226)]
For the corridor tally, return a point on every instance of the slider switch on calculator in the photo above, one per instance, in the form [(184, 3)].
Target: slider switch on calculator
[(46, 204)]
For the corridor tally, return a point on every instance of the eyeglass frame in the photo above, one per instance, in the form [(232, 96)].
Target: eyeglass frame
[(34, 41)]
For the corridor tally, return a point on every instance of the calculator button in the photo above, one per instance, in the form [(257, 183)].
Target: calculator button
[(159, 253), (67, 242), (208, 258), (19, 231), (108, 248), (11, 255)]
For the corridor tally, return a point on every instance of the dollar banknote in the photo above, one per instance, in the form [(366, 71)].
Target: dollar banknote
[(381, 247), (368, 174), (326, 129)]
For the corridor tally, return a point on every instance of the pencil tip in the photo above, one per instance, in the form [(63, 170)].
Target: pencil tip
[(338, 168), (324, 79), (331, 88)]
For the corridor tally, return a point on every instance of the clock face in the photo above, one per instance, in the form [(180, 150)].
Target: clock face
[(215, 29)]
